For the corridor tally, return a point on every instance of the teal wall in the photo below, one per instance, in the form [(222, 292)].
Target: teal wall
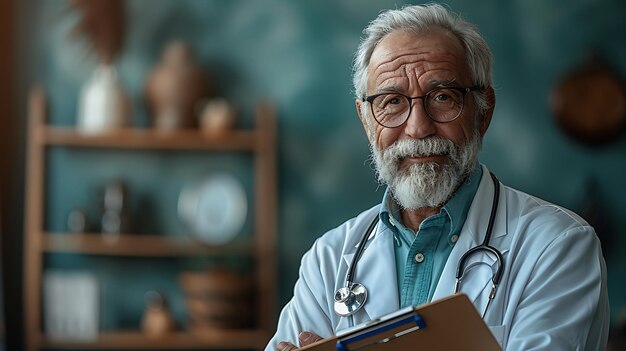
[(298, 55)]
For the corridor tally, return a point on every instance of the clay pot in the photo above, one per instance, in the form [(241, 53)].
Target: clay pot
[(174, 88)]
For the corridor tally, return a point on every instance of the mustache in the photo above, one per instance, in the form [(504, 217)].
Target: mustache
[(431, 146)]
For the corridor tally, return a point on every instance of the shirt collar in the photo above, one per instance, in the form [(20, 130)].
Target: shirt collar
[(456, 208)]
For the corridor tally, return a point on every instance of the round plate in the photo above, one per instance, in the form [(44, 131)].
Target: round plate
[(215, 208)]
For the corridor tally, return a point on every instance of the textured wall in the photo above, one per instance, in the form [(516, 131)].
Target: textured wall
[(298, 54)]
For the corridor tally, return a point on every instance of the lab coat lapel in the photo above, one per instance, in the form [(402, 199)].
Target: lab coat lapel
[(376, 270), (476, 282)]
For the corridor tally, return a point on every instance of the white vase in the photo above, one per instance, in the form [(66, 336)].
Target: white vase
[(103, 104)]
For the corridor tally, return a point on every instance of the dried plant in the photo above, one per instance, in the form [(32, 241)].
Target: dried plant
[(102, 24)]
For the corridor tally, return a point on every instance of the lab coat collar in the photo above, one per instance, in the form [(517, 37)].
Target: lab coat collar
[(376, 270), (476, 281)]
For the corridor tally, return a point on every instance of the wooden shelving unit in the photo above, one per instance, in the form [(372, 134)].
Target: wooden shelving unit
[(260, 142)]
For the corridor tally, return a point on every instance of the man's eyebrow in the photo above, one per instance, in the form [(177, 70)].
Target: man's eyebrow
[(441, 83), (389, 89)]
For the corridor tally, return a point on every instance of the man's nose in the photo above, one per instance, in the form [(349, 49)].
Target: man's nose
[(419, 125)]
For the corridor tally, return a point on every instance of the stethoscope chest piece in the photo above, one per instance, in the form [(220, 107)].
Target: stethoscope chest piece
[(350, 299)]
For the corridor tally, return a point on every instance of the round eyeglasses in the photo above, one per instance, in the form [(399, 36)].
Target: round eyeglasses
[(444, 104)]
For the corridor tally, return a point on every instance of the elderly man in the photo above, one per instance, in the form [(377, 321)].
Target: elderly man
[(422, 77)]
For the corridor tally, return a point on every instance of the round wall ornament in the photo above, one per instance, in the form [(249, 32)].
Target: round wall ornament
[(214, 208), (589, 104)]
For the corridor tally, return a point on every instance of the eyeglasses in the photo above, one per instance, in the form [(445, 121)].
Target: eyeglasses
[(443, 105)]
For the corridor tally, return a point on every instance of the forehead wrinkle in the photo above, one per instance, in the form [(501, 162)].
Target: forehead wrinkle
[(395, 62), (411, 75), (394, 81), (412, 65), (392, 61)]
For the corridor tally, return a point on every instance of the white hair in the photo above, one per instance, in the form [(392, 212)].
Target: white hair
[(417, 19)]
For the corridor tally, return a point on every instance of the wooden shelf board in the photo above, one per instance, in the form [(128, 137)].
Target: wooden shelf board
[(145, 138), (181, 340), (146, 245)]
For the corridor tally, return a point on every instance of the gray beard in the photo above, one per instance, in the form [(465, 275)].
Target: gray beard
[(426, 184)]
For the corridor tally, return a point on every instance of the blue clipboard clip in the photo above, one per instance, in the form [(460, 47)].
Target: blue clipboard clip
[(412, 322)]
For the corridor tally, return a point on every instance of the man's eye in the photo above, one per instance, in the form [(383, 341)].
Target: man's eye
[(389, 101), (442, 97), (446, 96), (394, 100)]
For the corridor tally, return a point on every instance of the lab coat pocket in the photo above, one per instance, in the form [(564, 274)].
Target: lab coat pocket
[(498, 331)]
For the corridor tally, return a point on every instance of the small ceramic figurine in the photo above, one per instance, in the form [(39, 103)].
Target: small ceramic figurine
[(157, 319), (217, 115), (175, 87)]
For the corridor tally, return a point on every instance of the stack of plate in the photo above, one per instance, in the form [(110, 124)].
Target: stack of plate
[(218, 299)]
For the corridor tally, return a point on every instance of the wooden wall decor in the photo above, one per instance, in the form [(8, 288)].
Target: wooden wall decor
[(589, 104)]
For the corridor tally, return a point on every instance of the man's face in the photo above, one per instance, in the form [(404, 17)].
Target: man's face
[(423, 161)]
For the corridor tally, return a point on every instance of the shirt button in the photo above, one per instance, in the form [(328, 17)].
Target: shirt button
[(454, 238), (419, 257)]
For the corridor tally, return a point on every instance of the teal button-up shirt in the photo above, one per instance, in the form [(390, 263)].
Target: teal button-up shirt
[(421, 256)]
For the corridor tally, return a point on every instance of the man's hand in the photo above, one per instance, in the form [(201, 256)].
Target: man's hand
[(305, 339)]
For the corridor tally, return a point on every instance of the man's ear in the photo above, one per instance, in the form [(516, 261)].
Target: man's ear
[(366, 126), (486, 117)]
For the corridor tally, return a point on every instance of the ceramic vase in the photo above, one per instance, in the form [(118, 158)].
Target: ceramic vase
[(103, 104)]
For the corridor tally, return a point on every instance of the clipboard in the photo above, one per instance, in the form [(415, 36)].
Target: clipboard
[(451, 323)]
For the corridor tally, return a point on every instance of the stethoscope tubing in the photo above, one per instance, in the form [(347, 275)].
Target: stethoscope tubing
[(359, 251), (485, 244)]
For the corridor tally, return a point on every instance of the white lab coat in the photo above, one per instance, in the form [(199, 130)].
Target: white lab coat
[(552, 295)]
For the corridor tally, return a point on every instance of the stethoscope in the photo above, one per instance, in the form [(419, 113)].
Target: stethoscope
[(351, 298)]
